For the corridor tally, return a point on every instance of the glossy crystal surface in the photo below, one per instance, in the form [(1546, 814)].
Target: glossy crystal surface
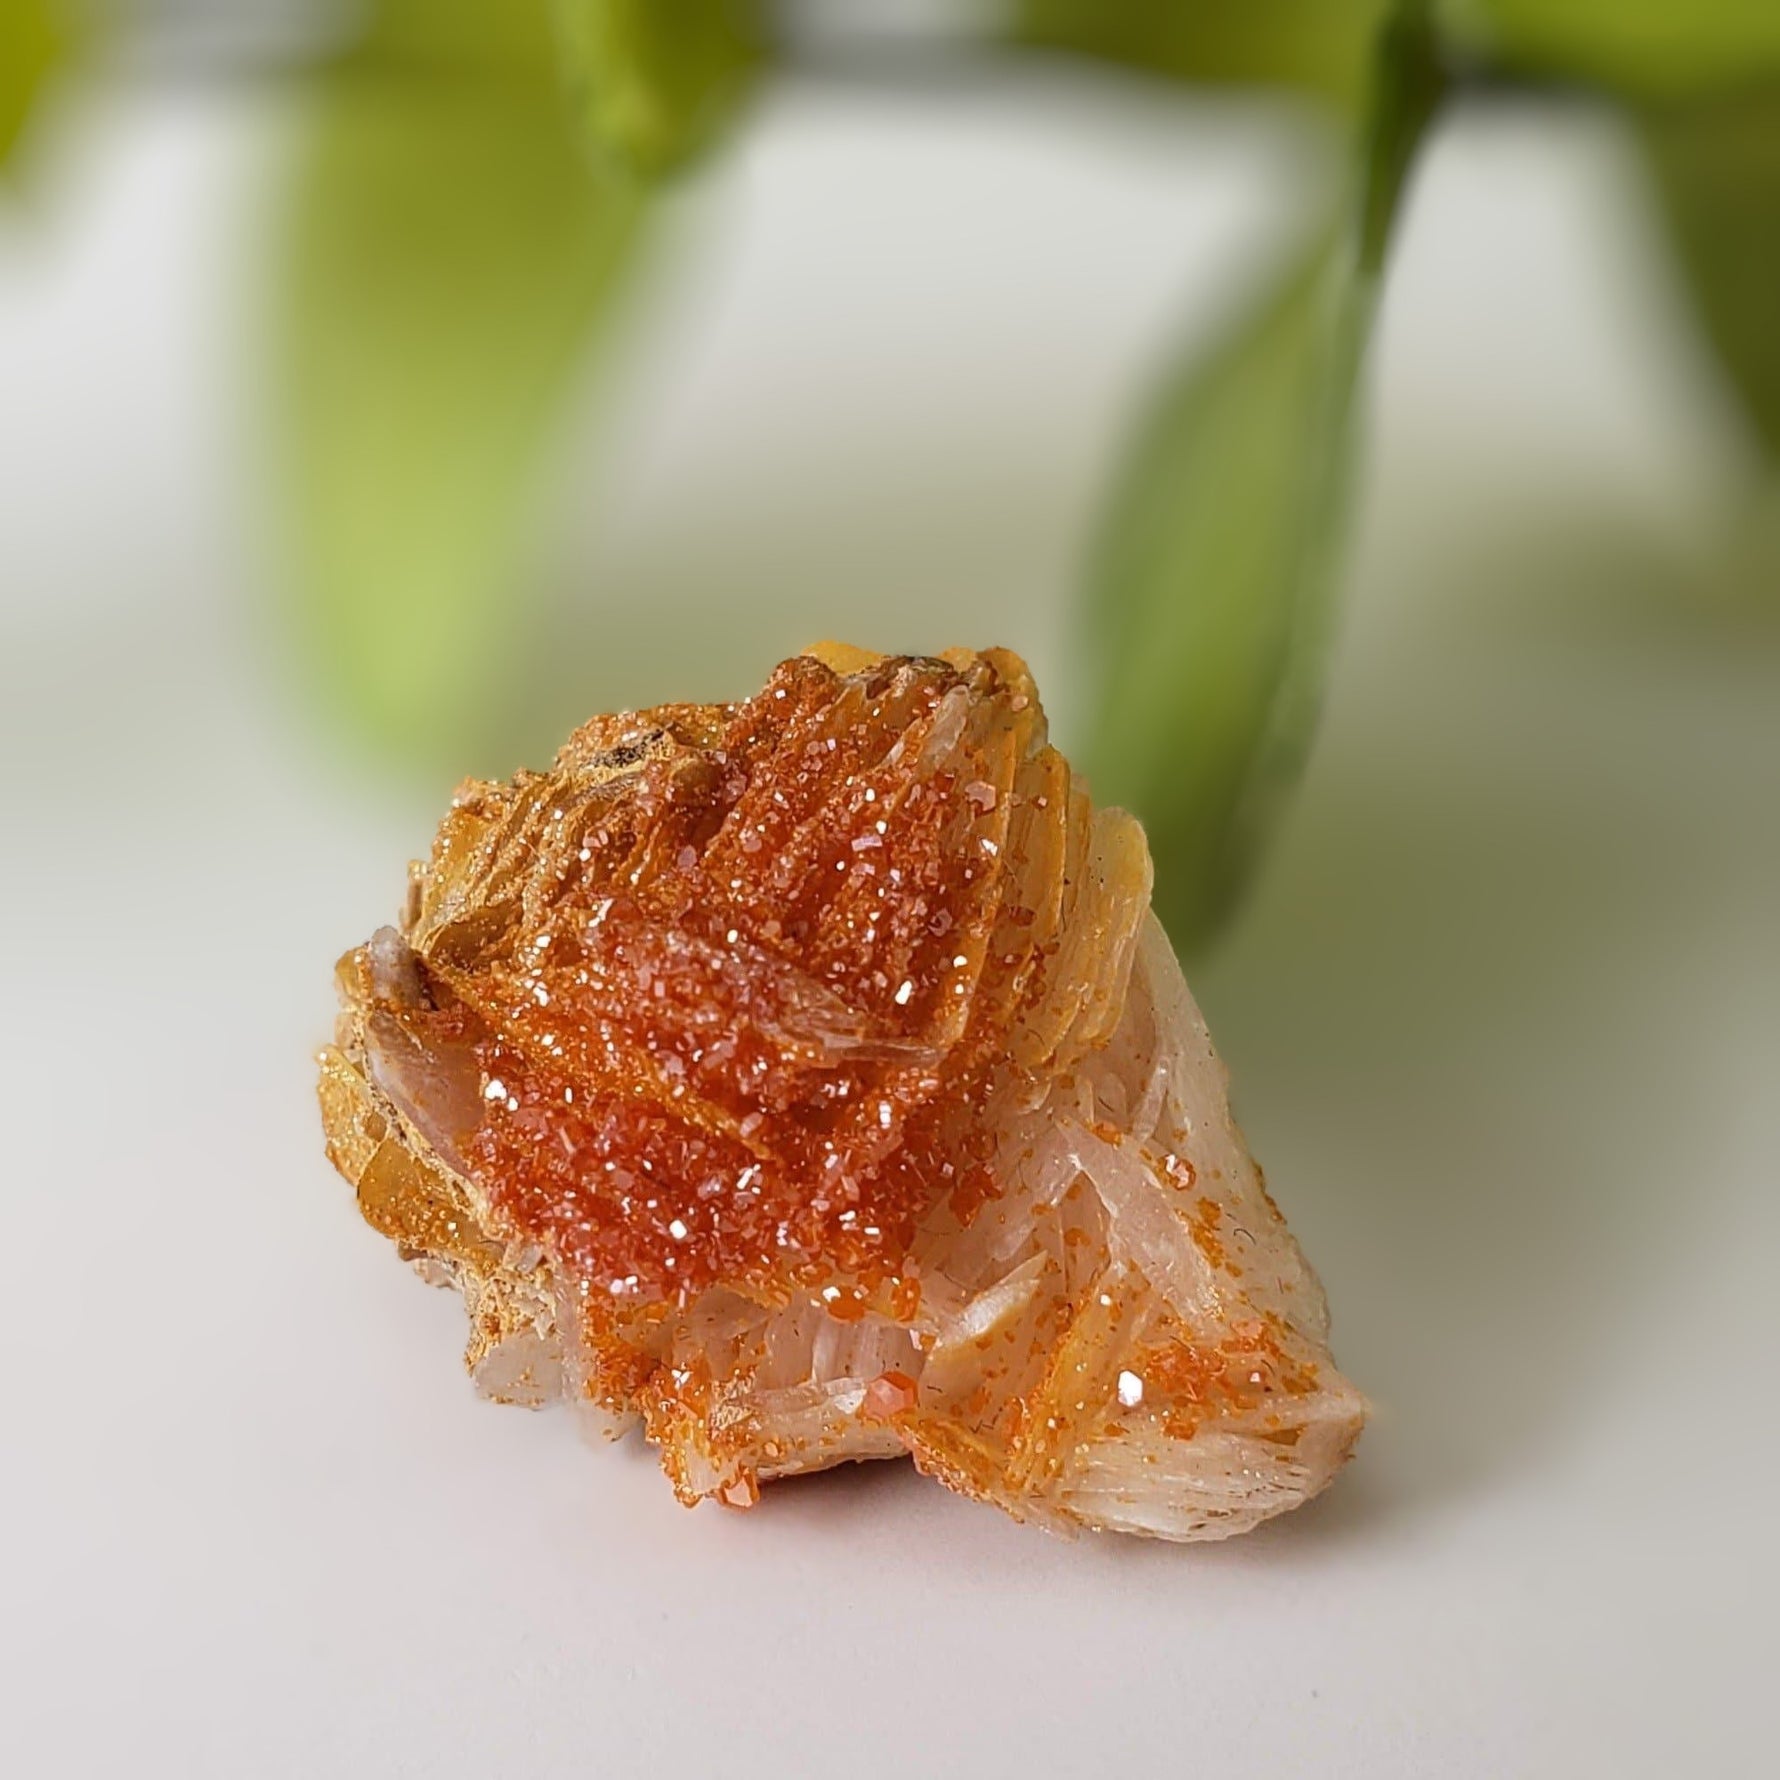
[(807, 1078)]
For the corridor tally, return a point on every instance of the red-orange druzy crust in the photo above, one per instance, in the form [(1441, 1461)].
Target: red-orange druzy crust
[(739, 978), (743, 1015), (745, 1047)]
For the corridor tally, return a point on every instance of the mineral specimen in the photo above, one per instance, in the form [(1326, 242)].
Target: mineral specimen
[(808, 1080)]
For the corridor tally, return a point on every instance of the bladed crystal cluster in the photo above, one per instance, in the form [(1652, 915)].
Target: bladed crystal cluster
[(806, 1079)]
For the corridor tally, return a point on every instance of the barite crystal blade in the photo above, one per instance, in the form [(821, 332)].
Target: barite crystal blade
[(807, 1079)]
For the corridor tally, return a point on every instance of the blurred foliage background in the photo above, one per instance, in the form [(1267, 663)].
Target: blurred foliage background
[(473, 197)]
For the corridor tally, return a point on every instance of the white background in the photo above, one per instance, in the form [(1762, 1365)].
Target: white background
[(1504, 1016)]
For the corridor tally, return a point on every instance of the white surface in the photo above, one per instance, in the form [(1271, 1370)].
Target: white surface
[(1503, 1021)]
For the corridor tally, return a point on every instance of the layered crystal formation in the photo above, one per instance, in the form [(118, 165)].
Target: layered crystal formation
[(807, 1080)]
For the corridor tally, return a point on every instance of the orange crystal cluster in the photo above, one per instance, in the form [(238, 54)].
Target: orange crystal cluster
[(701, 1058)]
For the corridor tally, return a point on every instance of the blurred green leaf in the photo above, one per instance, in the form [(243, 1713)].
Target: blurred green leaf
[(1208, 615), (1717, 166), (652, 83), (30, 47), (1322, 46), (448, 261), (488, 40), (1652, 47)]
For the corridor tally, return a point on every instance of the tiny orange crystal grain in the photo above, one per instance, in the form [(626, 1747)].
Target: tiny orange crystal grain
[(808, 1079)]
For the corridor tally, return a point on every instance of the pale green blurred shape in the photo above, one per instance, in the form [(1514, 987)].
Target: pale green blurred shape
[(1647, 47), (652, 85), (31, 45), (1705, 75), (1209, 611), (1717, 165), (448, 259), (484, 39)]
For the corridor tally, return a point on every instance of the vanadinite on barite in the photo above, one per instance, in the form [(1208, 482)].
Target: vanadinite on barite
[(809, 1079)]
